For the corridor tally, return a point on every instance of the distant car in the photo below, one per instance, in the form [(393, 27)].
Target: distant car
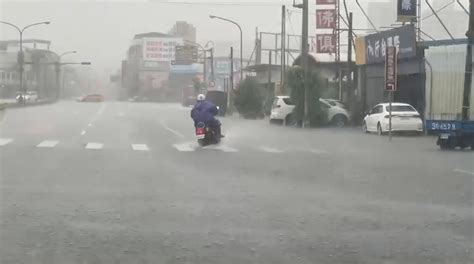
[(92, 98), (404, 118), (282, 111)]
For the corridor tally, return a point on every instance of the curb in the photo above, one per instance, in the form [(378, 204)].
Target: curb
[(4, 106)]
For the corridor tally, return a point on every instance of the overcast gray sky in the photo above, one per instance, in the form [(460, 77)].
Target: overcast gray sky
[(100, 30)]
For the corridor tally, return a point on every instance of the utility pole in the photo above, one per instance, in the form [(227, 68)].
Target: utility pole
[(204, 66), (269, 69), (212, 64), (231, 79), (350, 85), (304, 56), (468, 72), (283, 48)]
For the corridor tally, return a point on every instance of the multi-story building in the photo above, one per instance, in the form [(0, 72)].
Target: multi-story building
[(184, 30), (145, 72), (39, 72)]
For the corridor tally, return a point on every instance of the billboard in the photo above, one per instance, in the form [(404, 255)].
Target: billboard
[(325, 43), (404, 38), (325, 2), (160, 49), (326, 18), (406, 10)]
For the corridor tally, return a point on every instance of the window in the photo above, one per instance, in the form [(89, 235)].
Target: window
[(377, 110), (401, 108), (287, 101)]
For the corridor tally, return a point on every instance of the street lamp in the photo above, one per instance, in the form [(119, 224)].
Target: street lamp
[(20, 58), (58, 72), (241, 52)]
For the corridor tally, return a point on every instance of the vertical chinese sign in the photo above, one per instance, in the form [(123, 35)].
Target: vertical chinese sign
[(406, 10), (391, 68), (326, 19)]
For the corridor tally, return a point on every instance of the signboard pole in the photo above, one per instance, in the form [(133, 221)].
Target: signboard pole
[(390, 82), (390, 99)]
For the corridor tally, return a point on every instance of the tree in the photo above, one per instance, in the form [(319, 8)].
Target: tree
[(247, 99), (295, 82)]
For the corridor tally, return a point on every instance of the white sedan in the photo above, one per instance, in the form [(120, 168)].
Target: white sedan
[(404, 118)]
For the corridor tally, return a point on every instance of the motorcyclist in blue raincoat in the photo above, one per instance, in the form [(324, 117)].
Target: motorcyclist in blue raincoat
[(205, 111)]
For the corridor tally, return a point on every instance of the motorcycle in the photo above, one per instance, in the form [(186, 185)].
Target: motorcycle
[(206, 135)]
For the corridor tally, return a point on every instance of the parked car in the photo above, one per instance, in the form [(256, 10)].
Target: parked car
[(282, 111), (31, 96), (92, 98), (404, 118)]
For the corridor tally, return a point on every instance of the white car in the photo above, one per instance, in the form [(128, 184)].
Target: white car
[(31, 96), (283, 107), (404, 118)]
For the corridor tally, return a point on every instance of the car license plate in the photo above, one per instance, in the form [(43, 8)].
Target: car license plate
[(200, 136), (444, 136)]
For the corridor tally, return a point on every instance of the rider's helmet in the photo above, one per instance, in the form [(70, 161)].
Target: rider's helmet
[(201, 97)]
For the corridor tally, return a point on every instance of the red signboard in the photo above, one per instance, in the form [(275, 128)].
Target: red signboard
[(326, 18), (325, 43), (325, 2)]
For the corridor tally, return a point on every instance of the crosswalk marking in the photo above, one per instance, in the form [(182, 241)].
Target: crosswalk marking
[(94, 145), (270, 149), (140, 147), (48, 144), (184, 147), (223, 148), (4, 141), (318, 151)]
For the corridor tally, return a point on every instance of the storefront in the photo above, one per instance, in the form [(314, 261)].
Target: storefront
[(370, 59)]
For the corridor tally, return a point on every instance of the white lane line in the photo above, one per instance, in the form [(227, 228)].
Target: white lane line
[(270, 150), (464, 171), (94, 145), (48, 144), (176, 133), (5, 141), (186, 147), (89, 125), (83, 132), (140, 147)]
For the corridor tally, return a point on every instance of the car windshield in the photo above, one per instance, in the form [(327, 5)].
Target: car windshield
[(400, 108), (217, 132)]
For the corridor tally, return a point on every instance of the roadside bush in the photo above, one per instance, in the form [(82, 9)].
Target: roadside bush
[(317, 115), (247, 99)]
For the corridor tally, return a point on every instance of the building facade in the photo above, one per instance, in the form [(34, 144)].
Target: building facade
[(184, 30)]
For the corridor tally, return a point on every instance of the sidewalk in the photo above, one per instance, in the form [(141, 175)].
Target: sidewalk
[(11, 103)]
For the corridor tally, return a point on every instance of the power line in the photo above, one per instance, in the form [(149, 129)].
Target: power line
[(220, 3), (440, 9)]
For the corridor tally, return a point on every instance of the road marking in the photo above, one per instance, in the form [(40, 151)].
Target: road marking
[(140, 147), (89, 125), (176, 133), (223, 148), (48, 144), (4, 141), (186, 147), (270, 150), (83, 132), (464, 171), (94, 145), (318, 151), (101, 109)]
